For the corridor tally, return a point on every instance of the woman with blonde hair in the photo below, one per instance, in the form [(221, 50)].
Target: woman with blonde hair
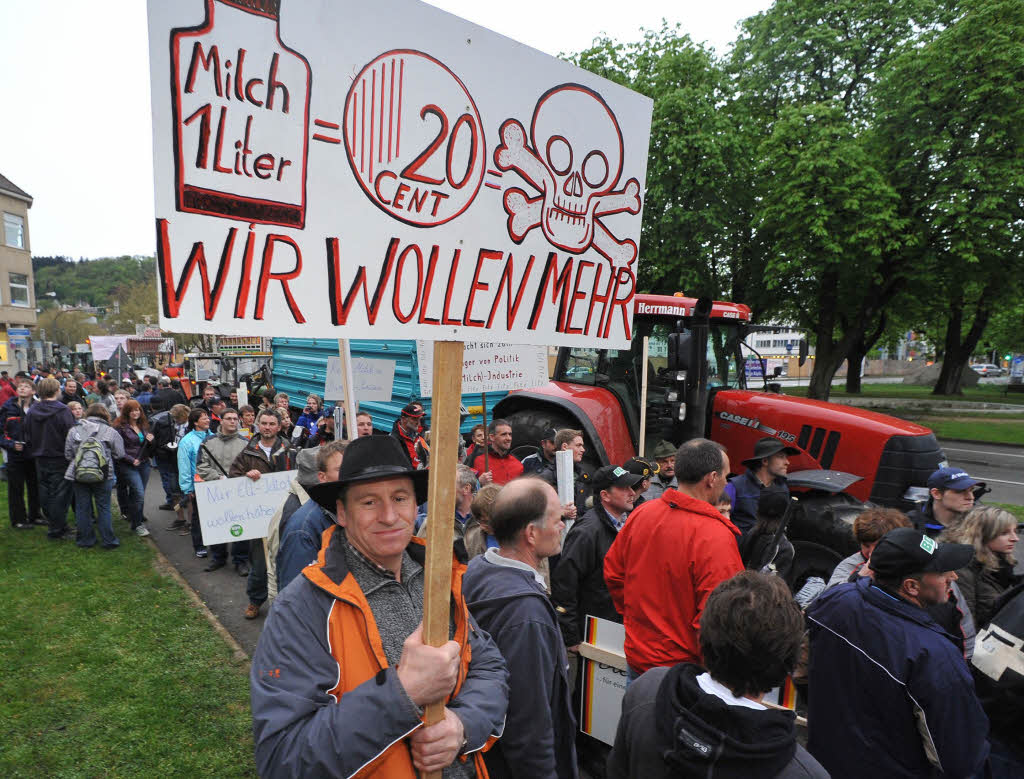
[(992, 532)]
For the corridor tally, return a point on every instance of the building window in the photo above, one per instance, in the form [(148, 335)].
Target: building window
[(14, 231), (19, 289)]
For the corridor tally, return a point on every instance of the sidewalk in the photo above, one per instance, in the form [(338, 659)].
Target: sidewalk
[(222, 591)]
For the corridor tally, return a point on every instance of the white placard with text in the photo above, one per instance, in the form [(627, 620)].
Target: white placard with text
[(240, 508), (338, 170)]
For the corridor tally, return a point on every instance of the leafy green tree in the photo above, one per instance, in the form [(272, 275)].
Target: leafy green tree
[(831, 221), (951, 133), (685, 237)]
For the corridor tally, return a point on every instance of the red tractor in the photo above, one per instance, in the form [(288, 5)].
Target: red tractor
[(696, 386)]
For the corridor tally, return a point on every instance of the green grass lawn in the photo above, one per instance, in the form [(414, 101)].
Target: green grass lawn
[(107, 669)]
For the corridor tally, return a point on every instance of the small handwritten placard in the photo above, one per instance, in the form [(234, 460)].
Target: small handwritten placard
[(240, 508), (371, 379)]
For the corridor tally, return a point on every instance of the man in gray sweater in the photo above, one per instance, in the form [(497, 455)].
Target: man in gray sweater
[(215, 457)]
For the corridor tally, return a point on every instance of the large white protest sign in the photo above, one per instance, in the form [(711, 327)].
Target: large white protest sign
[(338, 170), (490, 367), (240, 508), (371, 379)]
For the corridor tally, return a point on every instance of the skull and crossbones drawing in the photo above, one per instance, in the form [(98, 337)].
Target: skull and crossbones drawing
[(575, 162)]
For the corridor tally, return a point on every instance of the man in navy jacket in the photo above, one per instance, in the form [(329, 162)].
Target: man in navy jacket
[(505, 592), (890, 692)]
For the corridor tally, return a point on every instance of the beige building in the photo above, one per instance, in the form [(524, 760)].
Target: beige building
[(17, 298)]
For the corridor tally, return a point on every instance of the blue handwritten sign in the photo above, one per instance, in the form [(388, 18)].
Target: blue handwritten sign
[(240, 508)]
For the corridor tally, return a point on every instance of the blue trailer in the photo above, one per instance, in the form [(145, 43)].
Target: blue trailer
[(300, 368)]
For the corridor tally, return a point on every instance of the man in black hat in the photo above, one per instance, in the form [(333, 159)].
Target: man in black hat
[(766, 471), (891, 694), (544, 457), (341, 675), (577, 582), (407, 432)]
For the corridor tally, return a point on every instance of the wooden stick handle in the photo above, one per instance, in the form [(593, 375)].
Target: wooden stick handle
[(444, 456)]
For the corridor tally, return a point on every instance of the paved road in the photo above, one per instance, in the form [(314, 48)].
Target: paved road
[(1001, 467), (222, 591)]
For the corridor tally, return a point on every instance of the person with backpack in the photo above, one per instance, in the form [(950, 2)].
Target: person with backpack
[(92, 448), (46, 429), (21, 471)]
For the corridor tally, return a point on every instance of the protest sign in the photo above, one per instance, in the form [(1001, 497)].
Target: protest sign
[(240, 508), (345, 174), (371, 379), (490, 367), (604, 678)]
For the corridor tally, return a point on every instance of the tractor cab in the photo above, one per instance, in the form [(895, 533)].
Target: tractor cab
[(678, 339)]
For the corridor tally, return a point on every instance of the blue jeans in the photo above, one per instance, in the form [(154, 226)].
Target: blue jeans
[(169, 480), (85, 494), (134, 478)]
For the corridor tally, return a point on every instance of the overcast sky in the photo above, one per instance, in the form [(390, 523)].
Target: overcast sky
[(75, 127)]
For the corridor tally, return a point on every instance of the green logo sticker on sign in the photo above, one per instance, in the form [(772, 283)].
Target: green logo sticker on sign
[(236, 530), (928, 545)]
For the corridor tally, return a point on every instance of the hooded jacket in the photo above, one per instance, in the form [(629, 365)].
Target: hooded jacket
[(300, 542), (188, 454), (670, 727), (540, 730), (325, 701), (46, 429), (891, 692), (668, 557), (577, 583)]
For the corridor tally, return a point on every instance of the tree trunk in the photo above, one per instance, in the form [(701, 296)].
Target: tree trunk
[(854, 361), (958, 349), (859, 350)]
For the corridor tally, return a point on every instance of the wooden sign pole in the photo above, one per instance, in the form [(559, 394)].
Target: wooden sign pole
[(350, 401), (487, 443), (444, 457), (643, 400)]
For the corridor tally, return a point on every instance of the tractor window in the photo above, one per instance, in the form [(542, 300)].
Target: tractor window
[(581, 366), (723, 350)]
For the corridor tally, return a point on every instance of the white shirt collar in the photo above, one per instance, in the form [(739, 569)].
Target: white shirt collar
[(719, 690), (492, 556)]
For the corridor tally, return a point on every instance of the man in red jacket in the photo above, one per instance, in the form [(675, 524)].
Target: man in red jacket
[(681, 533), (499, 466)]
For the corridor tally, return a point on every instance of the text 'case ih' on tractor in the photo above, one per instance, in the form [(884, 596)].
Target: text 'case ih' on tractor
[(696, 386)]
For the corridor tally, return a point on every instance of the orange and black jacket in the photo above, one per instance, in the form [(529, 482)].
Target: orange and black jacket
[(326, 703)]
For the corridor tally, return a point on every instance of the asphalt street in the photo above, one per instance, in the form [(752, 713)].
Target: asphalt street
[(1000, 467), (222, 591)]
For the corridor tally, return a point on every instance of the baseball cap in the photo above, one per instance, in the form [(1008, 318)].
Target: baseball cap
[(413, 409), (609, 476), (548, 434), (642, 467), (905, 550), (951, 479)]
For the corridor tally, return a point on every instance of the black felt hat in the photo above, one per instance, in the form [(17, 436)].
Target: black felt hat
[(766, 447), (372, 458)]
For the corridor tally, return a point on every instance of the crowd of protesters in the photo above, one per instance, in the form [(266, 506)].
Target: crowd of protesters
[(908, 656), (698, 568)]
